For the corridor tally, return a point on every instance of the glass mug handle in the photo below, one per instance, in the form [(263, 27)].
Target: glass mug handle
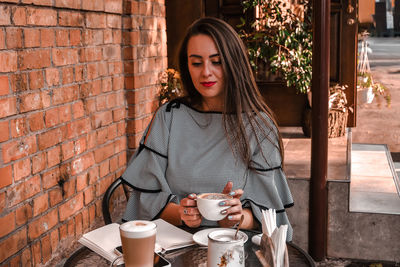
[(117, 261)]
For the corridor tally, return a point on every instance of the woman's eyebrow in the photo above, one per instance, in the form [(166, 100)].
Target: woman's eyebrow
[(198, 56)]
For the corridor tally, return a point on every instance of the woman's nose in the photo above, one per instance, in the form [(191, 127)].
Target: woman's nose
[(206, 70)]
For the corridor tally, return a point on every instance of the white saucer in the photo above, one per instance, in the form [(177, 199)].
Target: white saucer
[(201, 237)]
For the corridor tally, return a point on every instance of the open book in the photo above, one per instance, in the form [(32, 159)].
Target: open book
[(105, 239)]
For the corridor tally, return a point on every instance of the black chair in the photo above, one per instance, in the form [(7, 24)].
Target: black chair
[(107, 197)]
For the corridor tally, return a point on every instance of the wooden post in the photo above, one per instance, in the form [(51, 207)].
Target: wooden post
[(319, 142)]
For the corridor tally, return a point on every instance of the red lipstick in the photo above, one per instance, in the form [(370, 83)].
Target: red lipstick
[(208, 84)]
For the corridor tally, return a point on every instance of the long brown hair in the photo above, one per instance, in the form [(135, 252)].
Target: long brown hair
[(243, 103)]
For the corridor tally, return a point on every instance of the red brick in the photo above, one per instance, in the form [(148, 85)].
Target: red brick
[(117, 36), (101, 102), (65, 56), (25, 190), (38, 2), (79, 73), (92, 214), (40, 204), (35, 121), (7, 107), (97, 5), (19, 82), (50, 138), (26, 257), (121, 128), (12, 244), (6, 176), (70, 19), (2, 39), (113, 164), (89, 195), (77, 128), (4, 85), (13, 38), (117, 82), (71, 228), (2, 201), (104, 168), (4, 133), (75, 37), (78, 110), (113, 6), (102, 136), (36, 254), (18, 127), (65, 113), (93, 37), (107, 33), (53, 157), (75, 4), (32, 37), (7, 223), (63, 231), (85, 218), (38, 163), (19, 16), (119, 114), (41, 17), (89, 54), (47, 37), (54, 238), (91, 143), (78, 225), (19, 149), (81, 164), (69, 188), (42, 224), (90, 89), (8, 61), (46, 248), (52, 76), (23, 214), (113, 21), (65, 94), (55, 196), (34, 59), (31, 102), (96, 20), (80, 145), (22, 169), (102, 118), (5, 15), (52, 117), (16, 260), (62, 37), (67, 150), (71, 207), (36, 80), (67, 75), (103, 153)]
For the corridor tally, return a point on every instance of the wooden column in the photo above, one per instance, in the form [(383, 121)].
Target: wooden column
[(319, 141)]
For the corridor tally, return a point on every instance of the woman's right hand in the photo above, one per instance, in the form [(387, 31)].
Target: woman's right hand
[(189, 212)]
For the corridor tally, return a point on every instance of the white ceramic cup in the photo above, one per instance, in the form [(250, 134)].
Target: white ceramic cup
[(208, 205), (224, 250)]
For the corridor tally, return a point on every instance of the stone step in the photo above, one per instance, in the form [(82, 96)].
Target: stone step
[(374, 181)]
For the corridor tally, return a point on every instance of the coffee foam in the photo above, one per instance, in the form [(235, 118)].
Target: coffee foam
[(138, 229)]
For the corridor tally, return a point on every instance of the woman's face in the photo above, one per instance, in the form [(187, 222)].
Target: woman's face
[(205, 68)]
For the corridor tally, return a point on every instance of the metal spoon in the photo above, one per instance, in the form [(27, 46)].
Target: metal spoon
[(238, 227)]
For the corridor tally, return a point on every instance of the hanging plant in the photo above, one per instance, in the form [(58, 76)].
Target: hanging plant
[(279, 40)]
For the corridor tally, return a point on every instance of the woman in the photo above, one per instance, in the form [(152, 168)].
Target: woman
[(220, 136)]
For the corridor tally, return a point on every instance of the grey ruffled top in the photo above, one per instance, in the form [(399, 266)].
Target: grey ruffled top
[(185, 151)]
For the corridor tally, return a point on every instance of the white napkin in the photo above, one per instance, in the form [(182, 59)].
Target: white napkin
[(279, 241), (268, 221)]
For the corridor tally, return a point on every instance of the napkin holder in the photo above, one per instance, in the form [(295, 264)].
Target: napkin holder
[(266, 253)]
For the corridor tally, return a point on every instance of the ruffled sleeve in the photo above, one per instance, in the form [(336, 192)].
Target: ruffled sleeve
[(146, 171), (266, 185)]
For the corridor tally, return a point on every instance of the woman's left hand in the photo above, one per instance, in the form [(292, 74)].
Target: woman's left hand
[(235, 211)]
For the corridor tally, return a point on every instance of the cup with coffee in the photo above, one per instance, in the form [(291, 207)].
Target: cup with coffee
[(138, 240), (224, 249), (208, 205)]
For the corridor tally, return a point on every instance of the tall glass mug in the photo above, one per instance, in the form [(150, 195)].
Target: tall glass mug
[(138, 240)]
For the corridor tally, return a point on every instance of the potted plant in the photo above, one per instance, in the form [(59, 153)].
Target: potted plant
[(279, 43), (170, 86), (338, 113)]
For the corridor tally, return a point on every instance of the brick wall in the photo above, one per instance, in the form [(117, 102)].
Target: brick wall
[(77, 88)]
